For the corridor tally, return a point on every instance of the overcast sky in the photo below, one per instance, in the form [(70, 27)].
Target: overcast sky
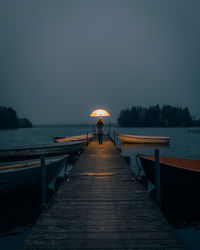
[(59, 60)]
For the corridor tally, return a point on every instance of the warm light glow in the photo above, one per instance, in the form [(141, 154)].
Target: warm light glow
[(100, 112)]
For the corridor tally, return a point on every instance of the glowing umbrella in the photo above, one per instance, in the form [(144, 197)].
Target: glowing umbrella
[(100, 112)]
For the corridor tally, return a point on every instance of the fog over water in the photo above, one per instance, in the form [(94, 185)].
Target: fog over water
[(59, 60)]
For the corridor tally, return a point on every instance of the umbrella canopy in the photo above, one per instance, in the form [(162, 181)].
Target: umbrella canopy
[(100, 112)]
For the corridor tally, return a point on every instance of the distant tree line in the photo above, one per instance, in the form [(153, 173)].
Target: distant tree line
[(156, 116), (10, 120)]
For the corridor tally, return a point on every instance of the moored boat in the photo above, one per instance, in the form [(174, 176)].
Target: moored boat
[(31, 152), (142, 139), (179, 177), (23, 176), (73, 138)]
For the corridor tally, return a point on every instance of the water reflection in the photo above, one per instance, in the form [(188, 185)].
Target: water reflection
[(17, 214)]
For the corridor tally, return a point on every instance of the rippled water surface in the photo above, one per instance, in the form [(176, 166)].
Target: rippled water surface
[(39, 135)]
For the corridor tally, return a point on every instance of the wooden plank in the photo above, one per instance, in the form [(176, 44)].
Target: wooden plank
[(102, 206)]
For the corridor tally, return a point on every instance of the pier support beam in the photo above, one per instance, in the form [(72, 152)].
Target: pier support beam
[(114, 137), (43, 182), (109, 129), (87, 139), (157, 177)]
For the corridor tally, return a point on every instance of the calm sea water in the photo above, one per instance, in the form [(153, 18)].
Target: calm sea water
[(39, 135), (184, 142)]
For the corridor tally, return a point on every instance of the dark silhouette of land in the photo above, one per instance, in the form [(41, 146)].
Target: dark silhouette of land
[(156, 116), (10, 120)]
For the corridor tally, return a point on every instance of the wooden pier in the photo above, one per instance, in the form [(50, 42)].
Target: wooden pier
[(102, 206)]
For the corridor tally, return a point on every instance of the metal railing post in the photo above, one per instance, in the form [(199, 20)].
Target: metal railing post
[(157, 177), (43, 182), (114, 137), (87, 139)]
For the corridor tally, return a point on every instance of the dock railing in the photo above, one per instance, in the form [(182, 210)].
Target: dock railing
[(87, 139), (114, 137), (157, 177), (144, 179), (44, 182)]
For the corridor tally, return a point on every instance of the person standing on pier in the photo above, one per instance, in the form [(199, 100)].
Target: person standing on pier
[(100, 130)]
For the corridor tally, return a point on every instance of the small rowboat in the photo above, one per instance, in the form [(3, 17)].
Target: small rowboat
[(74, 138), (142, 139), (178, 176), (31, 152), (23, 176)]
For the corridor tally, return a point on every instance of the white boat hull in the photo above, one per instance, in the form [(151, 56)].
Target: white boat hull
[(74, 138), (142, 139)]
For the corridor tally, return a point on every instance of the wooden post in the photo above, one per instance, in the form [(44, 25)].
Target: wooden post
[(87, 139), (114, 137), (109, 129), (157, 177), (43, 182)]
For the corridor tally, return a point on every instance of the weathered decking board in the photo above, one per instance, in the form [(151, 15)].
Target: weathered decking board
[(102, 206)]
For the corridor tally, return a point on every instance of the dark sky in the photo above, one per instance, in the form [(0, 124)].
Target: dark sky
[(59, 60)]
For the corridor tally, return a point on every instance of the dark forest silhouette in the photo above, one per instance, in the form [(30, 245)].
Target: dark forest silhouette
[(10, 120), (155, 116)]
